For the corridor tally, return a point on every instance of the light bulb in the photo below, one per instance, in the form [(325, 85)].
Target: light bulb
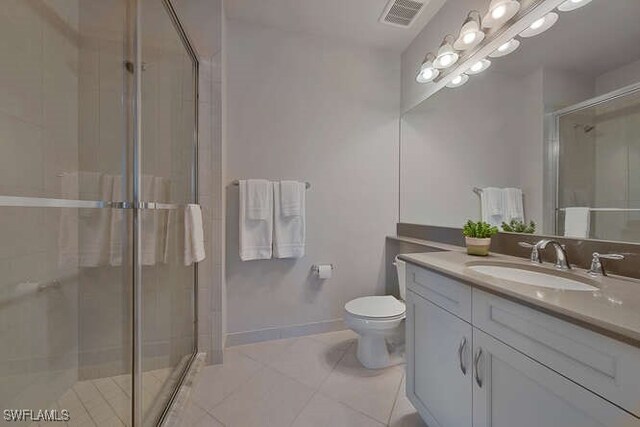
[(504, 46), (537, 24), (576, 1), (427, 74), (469, 37), (498, 12), (446, 60), (476, 67), (456, 80)]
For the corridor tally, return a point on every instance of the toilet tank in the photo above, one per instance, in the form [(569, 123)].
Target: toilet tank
[(401, 269)]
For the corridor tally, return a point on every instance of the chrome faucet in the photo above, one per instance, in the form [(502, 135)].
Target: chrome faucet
[(562, 261), (597, 269), (535, 254)]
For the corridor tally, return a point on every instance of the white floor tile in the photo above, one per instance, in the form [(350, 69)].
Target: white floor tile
[(323, 412), (342, 339), (267, 351), (308, 361), (270, 399), (218, 381), (404, 414), (369, 391)]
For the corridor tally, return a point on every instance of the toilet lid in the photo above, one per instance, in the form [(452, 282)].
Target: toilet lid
[(378, 306)]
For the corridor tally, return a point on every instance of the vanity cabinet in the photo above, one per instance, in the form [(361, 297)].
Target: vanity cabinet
[(511, 389), (439, 376), (509, 365)]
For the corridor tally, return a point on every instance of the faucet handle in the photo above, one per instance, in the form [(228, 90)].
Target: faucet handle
[(535, 255), (597, 268)]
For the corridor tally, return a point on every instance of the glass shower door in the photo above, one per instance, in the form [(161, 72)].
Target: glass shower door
[(167, 176), (65, 274)]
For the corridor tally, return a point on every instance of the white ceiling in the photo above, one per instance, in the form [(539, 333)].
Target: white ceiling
[(353, 21)]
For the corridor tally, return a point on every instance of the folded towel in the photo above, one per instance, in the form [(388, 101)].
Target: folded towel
[(289, 231), (193, 235), (117, 224), (258, 199), (513, 205), (493, 209), (291, 196), (577, 222), (94, 224), (256, 235)]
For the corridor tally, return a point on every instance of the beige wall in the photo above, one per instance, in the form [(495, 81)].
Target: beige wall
[(306, 108)]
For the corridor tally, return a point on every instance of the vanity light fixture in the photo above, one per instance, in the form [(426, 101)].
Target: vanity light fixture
[(427, 71), (541, 25), (446, 55), (479, 67), (458, 81), (570, 5), (500, 11), (470, 33)]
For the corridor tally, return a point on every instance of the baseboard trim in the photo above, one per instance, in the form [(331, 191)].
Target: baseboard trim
[(250, 337)]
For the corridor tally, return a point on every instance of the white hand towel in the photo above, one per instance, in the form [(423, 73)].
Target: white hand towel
[(193, 235), (258, 199), (577, 222), (289, 231), (290, 198), (493, 210), (514, 205), (256, 235)]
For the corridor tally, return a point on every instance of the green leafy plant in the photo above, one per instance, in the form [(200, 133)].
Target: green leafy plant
[(479, 230), (516, 226)]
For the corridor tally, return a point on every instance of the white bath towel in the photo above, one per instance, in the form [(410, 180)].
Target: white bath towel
[(290, 198), (94, 224), (256, 235), (577, 222), (258, 195), (289, 231), (514, 206), (193, 235), (493, 206), (117, 224)]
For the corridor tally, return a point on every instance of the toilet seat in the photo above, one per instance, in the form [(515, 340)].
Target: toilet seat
[(384, 307)]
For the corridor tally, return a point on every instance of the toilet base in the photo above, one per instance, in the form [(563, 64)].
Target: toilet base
[(373, 352)]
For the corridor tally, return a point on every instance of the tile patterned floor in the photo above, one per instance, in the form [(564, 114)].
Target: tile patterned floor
[(313, 381), (107, 401)]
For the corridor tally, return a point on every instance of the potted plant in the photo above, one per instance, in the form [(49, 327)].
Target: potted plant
[(516, 226), (478, 237)]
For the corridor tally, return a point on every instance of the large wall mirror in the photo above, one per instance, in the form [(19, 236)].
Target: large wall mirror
[(558, 119)]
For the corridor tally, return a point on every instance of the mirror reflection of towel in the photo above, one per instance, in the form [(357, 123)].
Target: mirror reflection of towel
[(577, 222)]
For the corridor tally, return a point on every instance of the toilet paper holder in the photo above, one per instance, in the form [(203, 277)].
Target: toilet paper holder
[(315, 268)]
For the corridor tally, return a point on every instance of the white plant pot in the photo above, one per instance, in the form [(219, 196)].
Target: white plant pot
[(478, 247)]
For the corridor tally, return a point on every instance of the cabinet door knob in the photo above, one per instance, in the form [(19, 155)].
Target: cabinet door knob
[(477, 368), (461, 348)]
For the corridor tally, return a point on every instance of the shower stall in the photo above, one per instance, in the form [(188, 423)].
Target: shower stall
[(98, 158)]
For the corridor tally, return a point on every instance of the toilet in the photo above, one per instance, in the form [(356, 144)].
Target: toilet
[(376, 319)]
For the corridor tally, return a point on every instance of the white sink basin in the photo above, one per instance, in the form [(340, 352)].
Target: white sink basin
[(534, 278)]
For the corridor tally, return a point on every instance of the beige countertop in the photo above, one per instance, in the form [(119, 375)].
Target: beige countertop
[(613, 310)]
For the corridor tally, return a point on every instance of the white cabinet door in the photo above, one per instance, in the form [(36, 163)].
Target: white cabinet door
[(438, 364), (510, 389)]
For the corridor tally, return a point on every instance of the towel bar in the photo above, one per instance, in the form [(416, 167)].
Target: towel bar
[(306, 184)]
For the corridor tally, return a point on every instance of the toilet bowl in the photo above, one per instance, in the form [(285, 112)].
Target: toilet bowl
[(376, 319)]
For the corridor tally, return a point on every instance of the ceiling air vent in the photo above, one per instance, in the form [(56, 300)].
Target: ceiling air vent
[(401, 13)]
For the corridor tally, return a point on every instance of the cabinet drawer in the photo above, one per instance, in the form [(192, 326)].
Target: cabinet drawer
[(443, 291), (603, 365)]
